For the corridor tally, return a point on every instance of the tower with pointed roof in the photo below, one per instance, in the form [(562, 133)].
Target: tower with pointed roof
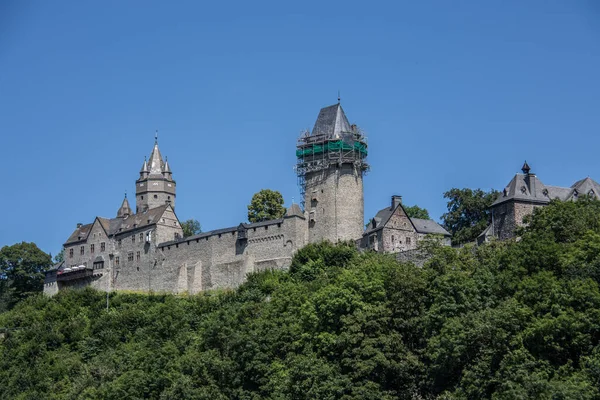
[(331, 163), (155, 186)]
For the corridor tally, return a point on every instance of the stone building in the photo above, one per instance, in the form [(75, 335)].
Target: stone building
[(392, 231), (146, 251), (523, 194)]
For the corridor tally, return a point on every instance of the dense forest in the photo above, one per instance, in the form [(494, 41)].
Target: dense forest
[(507, 320)]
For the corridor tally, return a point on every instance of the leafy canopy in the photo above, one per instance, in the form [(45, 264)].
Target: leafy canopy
[(22, 268), (416, 212), (191, 227), (468, 213), (266, 205), (506, 320)]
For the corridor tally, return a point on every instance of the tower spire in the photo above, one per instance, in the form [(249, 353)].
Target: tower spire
[(125, 210)]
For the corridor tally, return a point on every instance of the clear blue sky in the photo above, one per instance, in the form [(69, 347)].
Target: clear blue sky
[(451, 94)]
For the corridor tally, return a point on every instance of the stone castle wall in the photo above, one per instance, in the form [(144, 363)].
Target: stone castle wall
[(334, 202), (507, 217)]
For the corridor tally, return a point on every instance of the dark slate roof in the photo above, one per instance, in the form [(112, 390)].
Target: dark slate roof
[(140, 220), (424, 226), (429, 226), (526, 188), (79, 234), (125, 208), (294, 211), (529, 188), (155, 162), (586, 186), (115, 226), (331, 122)]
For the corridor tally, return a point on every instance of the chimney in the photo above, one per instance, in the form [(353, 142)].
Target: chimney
[(396, 201)]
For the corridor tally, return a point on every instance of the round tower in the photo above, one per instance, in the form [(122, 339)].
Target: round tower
[(331, 162), (156, 186)]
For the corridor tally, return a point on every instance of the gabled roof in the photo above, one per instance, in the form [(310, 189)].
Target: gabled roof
[(142, 219), (424, 226), (115, 226), (79, 234), (331, 122)]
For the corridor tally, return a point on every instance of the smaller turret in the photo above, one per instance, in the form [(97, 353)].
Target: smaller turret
[(144, 171), (167, 170), (125, 209)]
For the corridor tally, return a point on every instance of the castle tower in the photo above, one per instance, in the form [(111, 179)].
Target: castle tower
[(331, 162), (155, 186), (125, 210)]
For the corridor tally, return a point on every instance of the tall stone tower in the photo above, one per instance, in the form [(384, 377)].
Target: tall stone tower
[(155, 186), (331, 162)]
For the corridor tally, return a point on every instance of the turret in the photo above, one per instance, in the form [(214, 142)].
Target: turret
[(125, 210), (156, 186), (331, 162), (144, 172)]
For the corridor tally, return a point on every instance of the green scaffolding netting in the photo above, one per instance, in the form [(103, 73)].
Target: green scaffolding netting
[(332, 146)]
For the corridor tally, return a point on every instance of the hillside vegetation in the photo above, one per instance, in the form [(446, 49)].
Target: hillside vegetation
[(512, 320)]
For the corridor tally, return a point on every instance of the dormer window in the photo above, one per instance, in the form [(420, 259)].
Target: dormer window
[(545, 192), (523, 189)]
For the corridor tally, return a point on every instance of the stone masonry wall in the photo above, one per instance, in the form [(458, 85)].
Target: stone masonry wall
[(220, 260), (335, 204), (146, 189), (398, 233), (509, 216)]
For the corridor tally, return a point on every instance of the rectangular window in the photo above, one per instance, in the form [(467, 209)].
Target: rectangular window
[(137, 256), (130, 256), (407, 240), (70, 253), (119, 243), (117, 260), (141, 238), (92, 248), (99, 265), (102, 246), (133, 238), (82, 250)]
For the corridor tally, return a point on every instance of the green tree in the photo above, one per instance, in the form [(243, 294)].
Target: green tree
[(266, 205), (417, 212), (191, 227), (468, 213), (22, 268), (60, 256)]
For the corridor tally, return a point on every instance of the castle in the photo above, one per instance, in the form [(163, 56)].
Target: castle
[(523, 194), (145, 250)]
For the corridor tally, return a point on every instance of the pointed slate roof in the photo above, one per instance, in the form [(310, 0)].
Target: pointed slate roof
[(294, 211), (125, 209), (145, 166), (331, 122), (525, 187), (156, 161), (167, 168)]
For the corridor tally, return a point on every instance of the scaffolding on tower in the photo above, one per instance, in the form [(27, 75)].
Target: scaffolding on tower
[(316, 153)]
